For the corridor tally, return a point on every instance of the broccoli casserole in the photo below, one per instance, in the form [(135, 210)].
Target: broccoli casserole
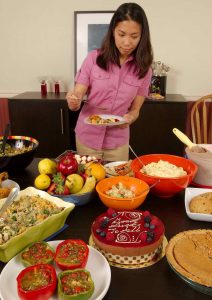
[(26, 212)]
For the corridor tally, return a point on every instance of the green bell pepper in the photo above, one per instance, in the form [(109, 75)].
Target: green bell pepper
[(75, 285), (37, 253)]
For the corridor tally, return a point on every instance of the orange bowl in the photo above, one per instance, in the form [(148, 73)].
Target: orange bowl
[(139, 187), (166, 187)]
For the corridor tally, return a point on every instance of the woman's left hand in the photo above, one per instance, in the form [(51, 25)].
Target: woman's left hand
[(130, 117)]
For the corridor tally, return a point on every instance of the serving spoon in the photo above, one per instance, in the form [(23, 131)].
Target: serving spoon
[(12, 195), (136, 156), (183, 138)]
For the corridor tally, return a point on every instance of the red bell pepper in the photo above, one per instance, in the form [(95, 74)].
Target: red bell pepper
[(37, 282), (67, 165), (71, 254), (37, 253)]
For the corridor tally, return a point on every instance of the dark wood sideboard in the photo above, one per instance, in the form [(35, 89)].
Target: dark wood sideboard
[(49, 120)]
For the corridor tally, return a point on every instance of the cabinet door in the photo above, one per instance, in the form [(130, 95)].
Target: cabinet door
[(152, 131), (47, 121)]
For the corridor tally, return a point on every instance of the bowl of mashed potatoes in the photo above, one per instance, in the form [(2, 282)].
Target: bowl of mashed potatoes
[(172, 173)]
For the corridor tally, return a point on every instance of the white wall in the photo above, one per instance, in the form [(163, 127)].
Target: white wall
[(37, 39)]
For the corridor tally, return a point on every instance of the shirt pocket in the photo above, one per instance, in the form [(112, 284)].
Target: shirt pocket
[(99, 74), (131, 85)]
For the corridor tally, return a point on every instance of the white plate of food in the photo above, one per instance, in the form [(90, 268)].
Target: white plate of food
[(118, 168), (197, 203), (104, 120), (97, 265)]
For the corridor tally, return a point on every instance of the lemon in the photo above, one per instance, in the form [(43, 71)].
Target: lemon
[(42, 182), (47, 166), (97, 170)]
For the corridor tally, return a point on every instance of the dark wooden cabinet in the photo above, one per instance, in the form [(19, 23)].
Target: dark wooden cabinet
[(152, 132), (46, 119), (51, 122)]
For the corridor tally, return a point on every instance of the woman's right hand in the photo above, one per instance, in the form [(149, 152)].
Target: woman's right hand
[(74, 101)]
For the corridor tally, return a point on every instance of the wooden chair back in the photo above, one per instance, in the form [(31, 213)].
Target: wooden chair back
[(201, 120)]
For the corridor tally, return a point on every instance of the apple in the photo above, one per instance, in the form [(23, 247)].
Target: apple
[(74, 182)]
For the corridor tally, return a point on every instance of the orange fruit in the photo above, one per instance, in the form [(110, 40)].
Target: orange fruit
[(97, 170)]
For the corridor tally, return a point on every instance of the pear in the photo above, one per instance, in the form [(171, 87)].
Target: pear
[(74, 182)]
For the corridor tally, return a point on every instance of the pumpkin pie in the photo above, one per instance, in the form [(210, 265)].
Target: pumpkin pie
[(190, 254)]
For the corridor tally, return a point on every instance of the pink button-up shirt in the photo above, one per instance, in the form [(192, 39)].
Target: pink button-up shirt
[(114, 89)]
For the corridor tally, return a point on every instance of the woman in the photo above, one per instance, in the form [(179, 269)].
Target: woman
[(117, 78)]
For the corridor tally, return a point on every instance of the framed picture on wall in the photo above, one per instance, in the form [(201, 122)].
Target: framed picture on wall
[(90, 28)]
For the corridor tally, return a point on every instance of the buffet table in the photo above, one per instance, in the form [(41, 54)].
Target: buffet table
[(151, 282)]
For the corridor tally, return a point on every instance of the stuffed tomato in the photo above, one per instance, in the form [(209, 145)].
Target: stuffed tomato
[(37, 253), (71, 254), (37, 282), (75, 285)]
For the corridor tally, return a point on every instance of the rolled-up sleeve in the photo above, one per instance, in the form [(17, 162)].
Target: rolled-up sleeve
[(144, 88), (83, 75)]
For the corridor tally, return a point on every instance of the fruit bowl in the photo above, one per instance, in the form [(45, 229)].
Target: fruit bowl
[(19, 152), (139, 187), (166, 186), (80, 199)]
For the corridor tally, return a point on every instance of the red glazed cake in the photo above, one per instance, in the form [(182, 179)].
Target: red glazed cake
[(128, 237)]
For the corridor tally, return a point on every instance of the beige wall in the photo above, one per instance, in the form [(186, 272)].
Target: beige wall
[(37, 39)]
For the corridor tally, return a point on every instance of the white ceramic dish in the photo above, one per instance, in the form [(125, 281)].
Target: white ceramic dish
[(103, 116), (189, 194), (97, 265)]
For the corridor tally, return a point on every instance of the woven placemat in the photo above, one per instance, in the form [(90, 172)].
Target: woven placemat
[(157, 258)]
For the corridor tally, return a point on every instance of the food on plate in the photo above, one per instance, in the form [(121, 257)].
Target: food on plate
[(75, 284), (37, 282), (156, 96), (189, 253), (96, 119), (163, 169), (47, 166), (71, 254), (119, 170), (119, 190), (37, 253), (128, 237), (4, 191), (201, 203), (24, 213)]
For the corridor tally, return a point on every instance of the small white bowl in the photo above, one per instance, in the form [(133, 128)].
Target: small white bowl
[(189, 194), (8, 183)]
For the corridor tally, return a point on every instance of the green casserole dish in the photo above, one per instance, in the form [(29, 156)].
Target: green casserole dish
[(39, 231)]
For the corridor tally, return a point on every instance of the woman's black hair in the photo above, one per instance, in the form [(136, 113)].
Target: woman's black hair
[(143, 56)]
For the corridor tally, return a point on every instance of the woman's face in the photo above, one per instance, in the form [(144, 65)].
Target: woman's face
[(127, 35)]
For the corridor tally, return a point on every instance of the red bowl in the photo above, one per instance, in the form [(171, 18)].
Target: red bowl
[(166, 187)]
